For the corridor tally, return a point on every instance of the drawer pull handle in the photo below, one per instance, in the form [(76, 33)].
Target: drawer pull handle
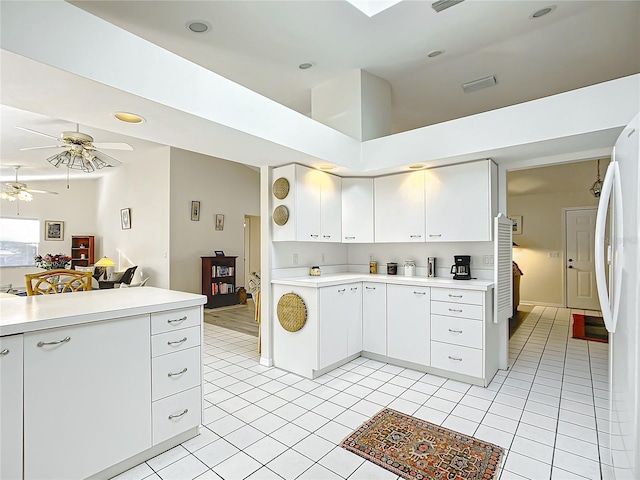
[(313, 236), (342, 291), (176, 320), (326, 236), (64, 340), (370, 288), (419, 293), (4, 352), (349, 238), (454, 310), (175, 342), (354, 289), (171, 417), (455, 331), (415, 236), (171, 374), (455, 296), (457, 359), (435, 235)]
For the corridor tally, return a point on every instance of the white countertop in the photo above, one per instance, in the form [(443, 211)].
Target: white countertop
[(340, 278), (27, 314)]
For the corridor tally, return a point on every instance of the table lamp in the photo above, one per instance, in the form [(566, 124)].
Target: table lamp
[(105, 263)]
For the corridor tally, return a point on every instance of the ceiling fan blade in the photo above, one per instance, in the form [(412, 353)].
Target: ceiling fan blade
[(40, 148), (37, 133), (112, 146), (109, 159), (39, 191)]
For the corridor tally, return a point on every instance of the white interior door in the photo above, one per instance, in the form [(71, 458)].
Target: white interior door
[(579, 258)]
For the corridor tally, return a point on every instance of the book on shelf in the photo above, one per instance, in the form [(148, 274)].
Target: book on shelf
[(222, 288), (222, 271)]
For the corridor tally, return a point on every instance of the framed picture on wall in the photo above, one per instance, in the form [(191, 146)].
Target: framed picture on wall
[(53, 230), (219, 221), (125, 218), (195, 211), (517, 224)]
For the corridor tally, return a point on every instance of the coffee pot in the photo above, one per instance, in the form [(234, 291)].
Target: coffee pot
[(462, 267)]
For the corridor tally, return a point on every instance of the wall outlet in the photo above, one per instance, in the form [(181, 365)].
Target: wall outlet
[(322, 257), (371, 257), (487, 260), (295, 258), (554, 254)]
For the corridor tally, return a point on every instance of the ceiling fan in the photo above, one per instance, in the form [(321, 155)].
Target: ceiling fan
[(13, 191), (80, 151)]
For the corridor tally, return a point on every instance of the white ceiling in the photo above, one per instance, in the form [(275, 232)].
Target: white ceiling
[(260, 44)]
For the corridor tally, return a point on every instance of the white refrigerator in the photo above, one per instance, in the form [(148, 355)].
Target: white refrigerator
[(617, 247)]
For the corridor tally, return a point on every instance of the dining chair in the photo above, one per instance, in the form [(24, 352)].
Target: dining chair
[(57, 281)]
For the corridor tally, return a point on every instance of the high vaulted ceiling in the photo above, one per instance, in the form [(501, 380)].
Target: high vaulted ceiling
[(259, 44)]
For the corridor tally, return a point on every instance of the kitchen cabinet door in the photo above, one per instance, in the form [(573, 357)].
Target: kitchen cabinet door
[(409, 323), (91, 385), (353, 314), (400, 208), (330, 207), (357, 210), (374, 318), (461, 202), (333, 344), (307, 205), (11, 407)]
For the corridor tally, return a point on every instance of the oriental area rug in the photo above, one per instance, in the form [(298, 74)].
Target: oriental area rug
[(416, 449), (587, 327)]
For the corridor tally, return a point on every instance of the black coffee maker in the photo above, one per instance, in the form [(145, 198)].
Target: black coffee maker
[(462, 268)]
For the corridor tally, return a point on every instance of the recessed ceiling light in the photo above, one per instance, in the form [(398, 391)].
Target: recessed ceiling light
[(435, 53), (127, 117), (417, 166), (304, 66), (198, 26), (327, 167), (543, 11)]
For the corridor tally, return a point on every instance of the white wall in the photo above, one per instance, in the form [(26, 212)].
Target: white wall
[(229, 188), (541, 195), (76, 207), (142, 185)]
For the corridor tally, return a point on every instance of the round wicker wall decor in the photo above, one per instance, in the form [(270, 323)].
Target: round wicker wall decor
[(292, 312), (281, 215), (281, 188)]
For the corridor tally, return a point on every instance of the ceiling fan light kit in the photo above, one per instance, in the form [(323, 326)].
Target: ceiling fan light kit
[(18, 191), (77, 160)]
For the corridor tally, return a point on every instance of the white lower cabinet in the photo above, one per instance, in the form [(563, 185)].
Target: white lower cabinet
[(87, 392), (339, 323), (11, 407), (176, 414), (408, 323), (374, 318)]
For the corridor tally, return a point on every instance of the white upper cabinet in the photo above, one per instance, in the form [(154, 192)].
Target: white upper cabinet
[(313, 203), (357, 210), (461, 201), (400, 208)]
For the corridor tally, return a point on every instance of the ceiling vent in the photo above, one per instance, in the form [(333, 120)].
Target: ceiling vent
[(480, 83), (444, 4)]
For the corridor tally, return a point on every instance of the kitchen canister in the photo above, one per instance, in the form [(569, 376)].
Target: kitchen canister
[(373, 267), (392, 268), (409, 268), (315, 271), (431, 266)]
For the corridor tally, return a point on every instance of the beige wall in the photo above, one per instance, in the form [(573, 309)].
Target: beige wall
[(540, 195), (228, 188)]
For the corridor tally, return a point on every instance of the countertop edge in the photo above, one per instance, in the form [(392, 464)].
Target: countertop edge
[(338, 279)]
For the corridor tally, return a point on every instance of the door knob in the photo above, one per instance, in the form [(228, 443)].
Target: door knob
[(570, 266)]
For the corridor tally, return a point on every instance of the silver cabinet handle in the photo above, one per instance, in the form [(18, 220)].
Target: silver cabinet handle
[(64, 340), (313, 236), (171, 417), (349, 238), (326, 236), (370, 288), (415, 236), (175, 342), (419, 293), (4, 352), (176, 320), (457, 359), (455, 331), (455, 296), (435, 235), (171, 374), (454, 310), (354, 289), (342, 291)]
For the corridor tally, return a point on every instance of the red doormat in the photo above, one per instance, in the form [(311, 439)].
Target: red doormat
[(587, 327), (416, 449)]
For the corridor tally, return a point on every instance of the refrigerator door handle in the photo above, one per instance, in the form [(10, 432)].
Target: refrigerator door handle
[(609, 309)]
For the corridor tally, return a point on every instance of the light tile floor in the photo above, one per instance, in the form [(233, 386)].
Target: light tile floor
[(549, 411)]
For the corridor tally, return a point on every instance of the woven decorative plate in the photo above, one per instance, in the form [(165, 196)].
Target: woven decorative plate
[(281, 215), (292, 312), (281, 188)]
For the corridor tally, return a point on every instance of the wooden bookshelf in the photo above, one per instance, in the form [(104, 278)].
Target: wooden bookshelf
[(219, 281), (82, 250)]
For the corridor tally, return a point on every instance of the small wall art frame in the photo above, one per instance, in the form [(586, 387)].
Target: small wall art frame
[(125, 218), (517, 224), (195, 211), (53, 230), (219, 221)]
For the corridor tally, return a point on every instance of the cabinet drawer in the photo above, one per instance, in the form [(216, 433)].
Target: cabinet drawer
[(472, 297), (464, 360), (175, 341), (457, 310), (176, 414), (458, 331), (175, 372), (174, 319)]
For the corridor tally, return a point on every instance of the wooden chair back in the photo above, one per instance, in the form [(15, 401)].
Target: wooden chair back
[(57, 281)]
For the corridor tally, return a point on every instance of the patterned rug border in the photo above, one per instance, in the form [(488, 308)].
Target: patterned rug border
[(579, 329), (416, 475)]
